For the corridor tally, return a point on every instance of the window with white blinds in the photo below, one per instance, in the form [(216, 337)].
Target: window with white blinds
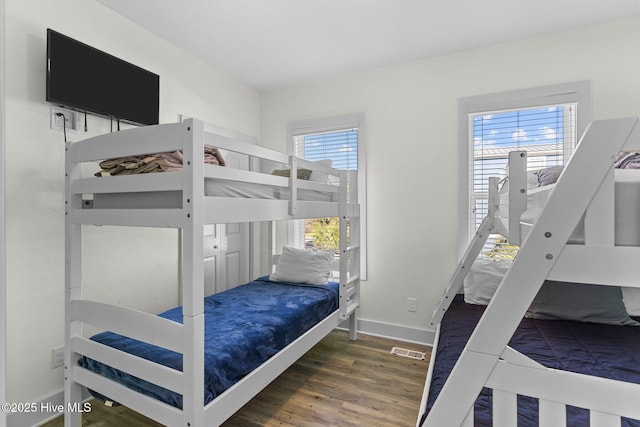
[(339, 139), (546, 133), (341, 148)]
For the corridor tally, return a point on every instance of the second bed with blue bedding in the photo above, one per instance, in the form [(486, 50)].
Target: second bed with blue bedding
[(608, 351), (244, 327)]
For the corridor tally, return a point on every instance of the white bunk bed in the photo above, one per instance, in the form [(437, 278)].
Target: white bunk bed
[(584, 229), (187, 200)]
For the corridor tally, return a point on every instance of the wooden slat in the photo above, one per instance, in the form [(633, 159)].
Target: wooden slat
[(128, 183), (149, 139), (164, 218), (239, 175), (141, 368), (247, 210), (131, 323), (583, 391), (318, 186), (552, 414), (600, 419), (593, 264), (505, 409), (166, 414)]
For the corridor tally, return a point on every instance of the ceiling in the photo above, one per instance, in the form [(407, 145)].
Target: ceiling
[(275, 43)]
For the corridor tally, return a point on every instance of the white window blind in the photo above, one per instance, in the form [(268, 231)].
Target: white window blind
[(341, 147), (340, 139), (547, 133)]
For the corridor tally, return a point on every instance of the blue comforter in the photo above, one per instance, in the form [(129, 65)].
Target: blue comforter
[(594, 349), (244, 326)]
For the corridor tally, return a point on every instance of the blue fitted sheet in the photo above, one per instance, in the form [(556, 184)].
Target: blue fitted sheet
[(600, 350), (244, 327)]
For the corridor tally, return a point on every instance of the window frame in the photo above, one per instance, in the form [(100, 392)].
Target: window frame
[(329, 124), (574, 92)]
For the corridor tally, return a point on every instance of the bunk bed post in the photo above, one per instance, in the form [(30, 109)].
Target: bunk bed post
[(517, 193), (587, 169), (192, 274), (73, 289), (293, 185)]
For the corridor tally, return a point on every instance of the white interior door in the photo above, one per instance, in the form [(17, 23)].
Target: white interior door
[(226, 247), (226, 256)]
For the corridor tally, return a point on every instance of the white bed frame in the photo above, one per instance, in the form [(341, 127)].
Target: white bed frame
[(586, 187), (194, 211)]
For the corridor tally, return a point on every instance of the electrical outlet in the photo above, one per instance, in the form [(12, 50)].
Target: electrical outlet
[(57, 357), (61, 117), (412, 304)]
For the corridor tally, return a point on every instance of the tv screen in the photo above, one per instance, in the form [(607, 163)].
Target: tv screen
[(86, 79)]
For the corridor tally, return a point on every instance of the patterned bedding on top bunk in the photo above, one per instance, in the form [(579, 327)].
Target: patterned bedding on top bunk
[(244, 326), (156, 162), (603, 350)]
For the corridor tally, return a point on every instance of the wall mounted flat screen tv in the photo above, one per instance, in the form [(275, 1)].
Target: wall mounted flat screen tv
[(85, 79)]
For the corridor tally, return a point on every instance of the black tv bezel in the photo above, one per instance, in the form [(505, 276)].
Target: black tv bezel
[(91, 110)]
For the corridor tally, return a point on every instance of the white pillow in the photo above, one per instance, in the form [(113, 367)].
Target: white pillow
[(483, 280), (631, 299), (311, 266), (321, 176)]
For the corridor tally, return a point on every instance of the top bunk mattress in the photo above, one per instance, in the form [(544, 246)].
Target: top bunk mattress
[(244, 326), (627, 208), (601, 350)]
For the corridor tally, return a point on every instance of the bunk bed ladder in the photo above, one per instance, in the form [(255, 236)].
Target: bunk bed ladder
[(349, 251), (480, 237), (486, 359), (463, 268)]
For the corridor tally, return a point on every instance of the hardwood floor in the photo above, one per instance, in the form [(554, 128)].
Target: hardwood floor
[(337, 383)]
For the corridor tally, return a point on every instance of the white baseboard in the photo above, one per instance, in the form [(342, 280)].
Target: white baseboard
[(395, 332)]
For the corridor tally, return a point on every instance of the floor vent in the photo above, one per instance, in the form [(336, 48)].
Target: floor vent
[(398, 351)]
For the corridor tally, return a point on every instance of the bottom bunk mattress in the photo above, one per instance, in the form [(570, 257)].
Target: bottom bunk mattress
[(244, 327), (601, 350)]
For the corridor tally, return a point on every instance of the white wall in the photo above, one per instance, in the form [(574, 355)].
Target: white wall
[(412, 142), (117, 257)]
